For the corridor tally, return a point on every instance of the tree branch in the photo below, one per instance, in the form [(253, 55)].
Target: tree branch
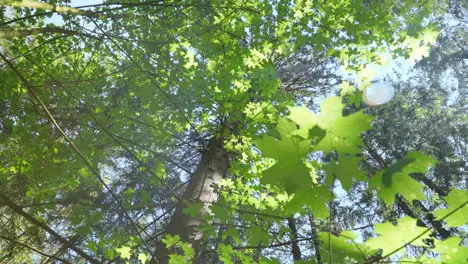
[(35, 250), (8, 33), (273, 245), (8, 202)]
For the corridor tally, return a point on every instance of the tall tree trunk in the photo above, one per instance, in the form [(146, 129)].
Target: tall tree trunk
[(315, 237), (211, 169), (295, 249)]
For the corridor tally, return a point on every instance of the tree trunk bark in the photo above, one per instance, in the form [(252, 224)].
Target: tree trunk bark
[(295, 249), (315, 241), (211, 169)]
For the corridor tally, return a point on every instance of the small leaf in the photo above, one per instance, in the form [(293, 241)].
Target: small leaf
[(225, 253), (92, 246), (188, 250), (142, 257), (257, 235), (124, 252), (177, 259), (233, 233), (220, 212), (130, 192), (170, 240), (346, 89), (193, 209)]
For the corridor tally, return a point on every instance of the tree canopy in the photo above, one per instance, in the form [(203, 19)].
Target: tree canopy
[(206, 131)]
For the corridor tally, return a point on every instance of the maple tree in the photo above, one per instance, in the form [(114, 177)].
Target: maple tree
[(171, 132)]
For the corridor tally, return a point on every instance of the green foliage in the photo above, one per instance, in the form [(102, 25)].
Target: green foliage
[(343, 133), (170, 240), (393, 238), (289, 172), (343, 248), (193, 209), (457, 199), (143, 258), (124, 252), (451, 252), (257, 235), (174, 243), (346, 170), (139, 88), (397, 178), (316, 200)]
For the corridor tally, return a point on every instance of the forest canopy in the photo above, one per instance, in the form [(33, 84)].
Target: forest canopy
[(253, 131)]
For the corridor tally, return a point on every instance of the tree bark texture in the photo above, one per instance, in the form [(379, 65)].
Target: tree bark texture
[(315, 241), (295, 249), (212, 168)]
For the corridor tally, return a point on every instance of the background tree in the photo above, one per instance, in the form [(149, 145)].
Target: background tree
[(143, 130)]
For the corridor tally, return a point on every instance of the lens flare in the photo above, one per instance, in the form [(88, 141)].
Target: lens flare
[(378, 93)]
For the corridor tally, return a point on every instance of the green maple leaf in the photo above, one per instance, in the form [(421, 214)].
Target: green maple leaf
[(346, 88), (456, 199), (355, 99), (317, 201), (225, 253), (124, 252), (220, 212), (397, 179), (193, 209), (289, 172), (142, 257), (430, 35), (451, 252), (305, 118), (257, 235), (393, 237), (315, 198), (418, 52), (343, 248), (346, 170), (343, 132), (177, 259), (170, 240), (189, 252), (93, 246), (232, 233)]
